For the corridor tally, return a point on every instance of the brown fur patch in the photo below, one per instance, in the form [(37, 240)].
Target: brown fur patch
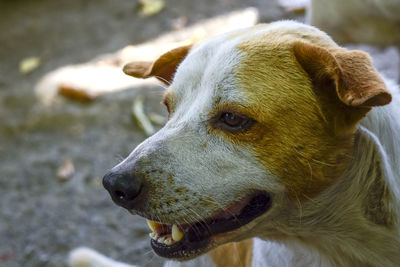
[(237, 254), (360, 84), (357, 82), (290, 116)]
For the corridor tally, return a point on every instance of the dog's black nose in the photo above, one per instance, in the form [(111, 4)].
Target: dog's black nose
[(123, 187)]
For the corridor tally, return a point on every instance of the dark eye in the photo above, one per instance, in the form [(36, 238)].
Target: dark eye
[(231, 119), (233, 122)]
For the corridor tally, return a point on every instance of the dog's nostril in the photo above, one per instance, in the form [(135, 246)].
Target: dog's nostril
[(120, 195)]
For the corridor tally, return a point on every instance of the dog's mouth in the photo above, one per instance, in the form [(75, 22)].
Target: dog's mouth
[(185, 241)]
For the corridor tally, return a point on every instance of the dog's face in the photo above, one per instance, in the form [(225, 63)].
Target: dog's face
[(260, 120)]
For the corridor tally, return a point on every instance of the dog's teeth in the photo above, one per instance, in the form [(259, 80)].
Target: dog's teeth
[(153, 225), (153, 235), (177, 234), (168, 241)]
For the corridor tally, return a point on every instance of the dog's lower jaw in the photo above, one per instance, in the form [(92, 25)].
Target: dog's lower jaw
[(201, 236)]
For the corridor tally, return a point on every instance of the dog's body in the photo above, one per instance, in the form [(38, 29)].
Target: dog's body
[(374, 22), (264, 140)]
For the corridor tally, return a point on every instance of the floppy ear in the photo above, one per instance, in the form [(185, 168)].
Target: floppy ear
[(346, 79), (163, 68)]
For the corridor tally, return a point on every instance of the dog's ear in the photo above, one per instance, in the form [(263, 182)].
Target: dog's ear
[(163, 68), (345, 78)]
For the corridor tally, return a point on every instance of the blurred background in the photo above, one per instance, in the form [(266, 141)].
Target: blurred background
[(68, 113)]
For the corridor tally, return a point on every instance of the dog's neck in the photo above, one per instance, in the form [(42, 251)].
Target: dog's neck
[(356, 221), (358, 224)]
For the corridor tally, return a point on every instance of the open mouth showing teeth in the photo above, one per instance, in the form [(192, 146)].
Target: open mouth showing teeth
[(183, 241)]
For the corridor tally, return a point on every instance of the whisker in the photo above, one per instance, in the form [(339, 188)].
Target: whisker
[(312, 200), (148, 252), (324, 163), (309, 165), (119, 158), (300, 208), (153, 257), (314, 160), (199, 220)]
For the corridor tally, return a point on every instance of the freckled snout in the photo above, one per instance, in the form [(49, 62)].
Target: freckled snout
[(123, 186)]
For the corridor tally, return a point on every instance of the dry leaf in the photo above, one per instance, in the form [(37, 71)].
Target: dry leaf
[(29, 64), (66, 170), (179, 23), (75, 93), (157, 119), (295, 6), (151, 7), (141, 118)]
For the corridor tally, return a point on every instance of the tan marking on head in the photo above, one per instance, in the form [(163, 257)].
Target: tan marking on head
[(237, 254), (304, 134)]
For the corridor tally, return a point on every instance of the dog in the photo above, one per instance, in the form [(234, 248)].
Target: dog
[(281, 149)]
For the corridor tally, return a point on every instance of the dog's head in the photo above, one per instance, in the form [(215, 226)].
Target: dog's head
[(260, 120)]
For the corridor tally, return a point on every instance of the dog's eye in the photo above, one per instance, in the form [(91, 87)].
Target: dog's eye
[(233, 122), (231, 119)]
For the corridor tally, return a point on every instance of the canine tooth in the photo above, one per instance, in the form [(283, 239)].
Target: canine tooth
[(153, 225), (177, 234), (168, 241), (153, 235)]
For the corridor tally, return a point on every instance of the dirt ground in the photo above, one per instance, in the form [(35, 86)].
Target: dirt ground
[(41, 217)]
